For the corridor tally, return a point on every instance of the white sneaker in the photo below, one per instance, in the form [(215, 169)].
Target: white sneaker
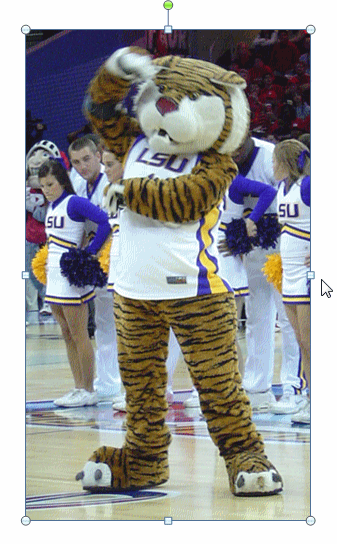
[(119, 404), (46, 309), (261, 402), (193, 400), (107, 391), (289, 404), (303, 416), (77, 397)]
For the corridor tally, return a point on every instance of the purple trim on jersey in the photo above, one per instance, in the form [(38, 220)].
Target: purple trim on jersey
[(96, 182), (204, 287), (305, 190), (295, 232), (138, 139), (246, 166), (203, 283)]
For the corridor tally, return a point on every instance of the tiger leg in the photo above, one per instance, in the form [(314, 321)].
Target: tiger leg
[(142, 336), (206, 328)]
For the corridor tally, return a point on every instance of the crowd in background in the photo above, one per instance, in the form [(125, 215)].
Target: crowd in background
[(276, 67)]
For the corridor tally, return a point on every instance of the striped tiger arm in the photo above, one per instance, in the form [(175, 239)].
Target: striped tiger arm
[(103, 110), (184, 198)]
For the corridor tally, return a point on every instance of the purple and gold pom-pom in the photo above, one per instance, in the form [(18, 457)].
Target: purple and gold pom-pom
[(81, 268), (39, 263), (268, 232), (237, 238), (273, 270)]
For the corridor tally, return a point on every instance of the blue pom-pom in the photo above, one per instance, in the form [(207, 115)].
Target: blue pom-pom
[(268, 232), (237, 238), (81, 268)]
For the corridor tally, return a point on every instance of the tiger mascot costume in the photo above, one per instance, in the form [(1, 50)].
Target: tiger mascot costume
[(190, 116)]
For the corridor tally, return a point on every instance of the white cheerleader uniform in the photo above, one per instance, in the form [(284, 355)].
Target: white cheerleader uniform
[(65, 229), (294, 215)]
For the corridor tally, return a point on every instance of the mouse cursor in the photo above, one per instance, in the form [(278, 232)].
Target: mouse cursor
[(325, 289)]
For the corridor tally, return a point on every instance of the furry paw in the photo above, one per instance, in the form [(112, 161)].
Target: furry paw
[(114, 470), (131, 64), (95, 477), (260, 483), (252, 474), (113, 199)]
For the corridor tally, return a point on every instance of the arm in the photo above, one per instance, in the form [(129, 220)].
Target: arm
[(80, 209), (108, 89), (242, 187), (184, 198)]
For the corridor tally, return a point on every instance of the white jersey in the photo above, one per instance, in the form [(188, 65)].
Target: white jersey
[(63, 233), (231, 267), (294, 215), (159, 260), (95, 195), (231, 210), (79, 184), (260, 168)]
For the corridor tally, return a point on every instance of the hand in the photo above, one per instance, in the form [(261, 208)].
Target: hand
[(223, 248), (251, 228), (132, 63), (307, 260), (113, 199)]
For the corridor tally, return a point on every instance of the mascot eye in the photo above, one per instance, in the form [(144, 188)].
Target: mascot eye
[(194, 96), (161, 88)]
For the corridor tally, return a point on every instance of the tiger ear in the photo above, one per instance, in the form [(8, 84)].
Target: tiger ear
[(229, 79)]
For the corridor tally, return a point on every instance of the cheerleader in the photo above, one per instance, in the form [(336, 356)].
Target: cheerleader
[(64, 222), (291, 164)]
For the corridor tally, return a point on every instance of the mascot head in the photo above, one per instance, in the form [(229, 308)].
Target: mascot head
[(36, 156), (192, 106)]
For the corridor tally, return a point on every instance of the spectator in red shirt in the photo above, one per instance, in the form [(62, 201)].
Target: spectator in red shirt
[(284, 56), (270, 91), (266, 121), (302, 110), (259, 70), (301, 80)]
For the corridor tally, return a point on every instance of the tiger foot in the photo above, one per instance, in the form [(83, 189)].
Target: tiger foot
[(112, 470), (252, 475)]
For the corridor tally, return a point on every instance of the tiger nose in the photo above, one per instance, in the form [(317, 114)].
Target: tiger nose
[(165, 105)]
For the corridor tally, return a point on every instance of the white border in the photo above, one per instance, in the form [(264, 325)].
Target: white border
[(184, 15)]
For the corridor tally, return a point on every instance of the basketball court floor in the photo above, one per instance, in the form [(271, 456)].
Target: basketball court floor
[(60, 440)]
